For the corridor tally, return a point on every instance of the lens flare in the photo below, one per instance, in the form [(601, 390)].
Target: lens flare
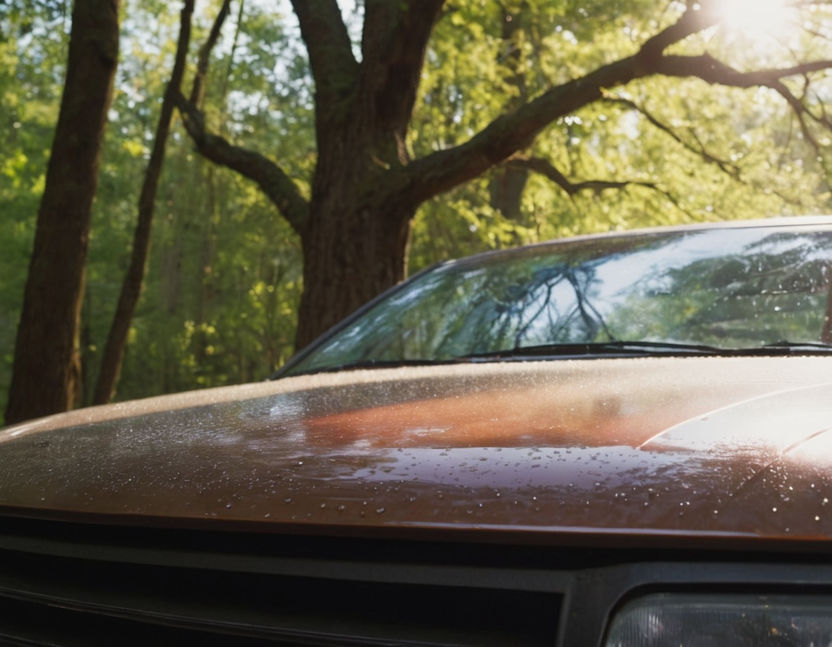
[(755, 18)]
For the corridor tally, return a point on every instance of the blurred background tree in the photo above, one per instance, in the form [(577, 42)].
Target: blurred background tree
[(46, 375), (225, 270)]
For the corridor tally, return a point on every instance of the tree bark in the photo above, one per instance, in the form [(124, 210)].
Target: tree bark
[(508, 183), (113, 356), (340, 277), (46, 371)]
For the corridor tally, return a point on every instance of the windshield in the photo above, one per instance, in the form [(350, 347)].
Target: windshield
[(730, 288)]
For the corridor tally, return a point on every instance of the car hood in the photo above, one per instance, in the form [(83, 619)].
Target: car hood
[(696, 447)]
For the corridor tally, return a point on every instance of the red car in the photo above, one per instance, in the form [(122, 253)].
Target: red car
[(616, 440)]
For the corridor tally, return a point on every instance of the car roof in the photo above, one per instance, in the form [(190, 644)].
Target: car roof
[(782, 222)]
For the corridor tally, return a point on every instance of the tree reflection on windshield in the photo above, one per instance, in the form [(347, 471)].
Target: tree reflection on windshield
[(732, 288), (771, 289)]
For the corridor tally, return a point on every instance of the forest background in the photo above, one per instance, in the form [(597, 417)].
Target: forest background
[(224, 275)]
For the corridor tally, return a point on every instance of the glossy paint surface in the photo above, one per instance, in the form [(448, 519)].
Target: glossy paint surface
[(699, 445)]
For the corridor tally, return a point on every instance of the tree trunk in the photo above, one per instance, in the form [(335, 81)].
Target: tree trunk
[(113, 357), (507, 185), (340, 277), (506, 192), (46, 362)]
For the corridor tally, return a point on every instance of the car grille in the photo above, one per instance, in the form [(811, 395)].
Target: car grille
[(84, 597), (82, 584)]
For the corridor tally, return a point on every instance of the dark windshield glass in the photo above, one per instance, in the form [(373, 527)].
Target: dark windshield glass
[(730, 288)]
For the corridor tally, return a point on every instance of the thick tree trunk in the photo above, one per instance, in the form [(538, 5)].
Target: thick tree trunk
[(46, 363), (348, 260)]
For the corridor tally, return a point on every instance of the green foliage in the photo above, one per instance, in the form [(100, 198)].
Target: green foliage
[(224, 273), (224, 277), (688, 151), (221, 291)]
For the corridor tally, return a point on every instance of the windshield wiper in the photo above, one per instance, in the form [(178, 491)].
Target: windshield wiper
[(649, 349), (798, 347), (595, 350), (599, 349), (378, 363)]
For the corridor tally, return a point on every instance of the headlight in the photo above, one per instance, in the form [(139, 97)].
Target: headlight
[(704, 620)]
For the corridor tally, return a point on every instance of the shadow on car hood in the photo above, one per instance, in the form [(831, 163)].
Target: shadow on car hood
[(713, 446)]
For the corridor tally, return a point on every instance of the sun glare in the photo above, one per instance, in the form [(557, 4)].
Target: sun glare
[(756, 19)]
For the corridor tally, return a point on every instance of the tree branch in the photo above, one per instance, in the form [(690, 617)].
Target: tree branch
[(694, 19), (393, 45), (198, 86), (509, 133), (443, 170), (331, 61), (714, 71), (274, 182), (548, 170), (234, 44), (727, 167), (711, 70)]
